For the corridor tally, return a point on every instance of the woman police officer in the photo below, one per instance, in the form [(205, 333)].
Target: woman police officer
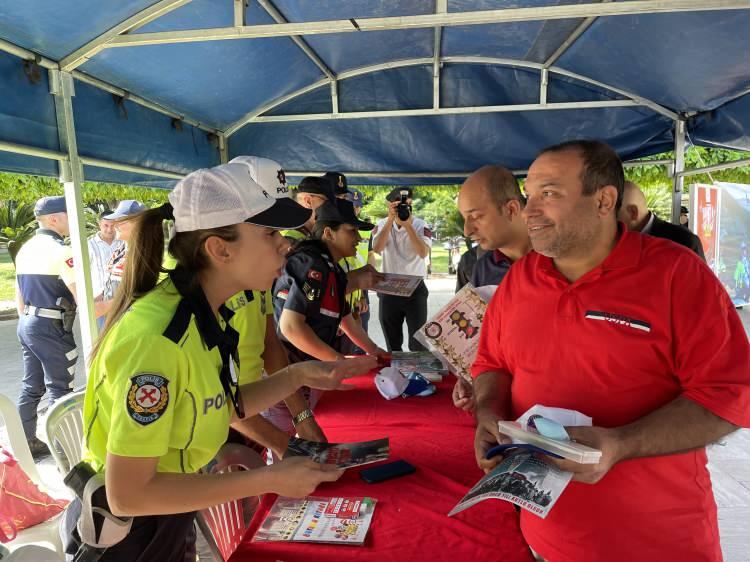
[(162, 385)]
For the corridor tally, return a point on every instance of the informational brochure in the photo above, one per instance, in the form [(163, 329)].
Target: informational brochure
[(398, 285), (342, 455), (316, 519), (452, 334), (523, 478), (422, 362)]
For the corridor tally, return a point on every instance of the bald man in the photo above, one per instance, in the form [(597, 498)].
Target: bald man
[(491, 202), (636, 216)]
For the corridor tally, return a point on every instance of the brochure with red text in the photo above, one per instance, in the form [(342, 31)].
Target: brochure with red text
[(343, 455), (317, 519)]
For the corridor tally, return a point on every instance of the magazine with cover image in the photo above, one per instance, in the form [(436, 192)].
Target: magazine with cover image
[(316, 519), (398, 284), (523, 478), (342, 455), (452, 334), (422, 362)]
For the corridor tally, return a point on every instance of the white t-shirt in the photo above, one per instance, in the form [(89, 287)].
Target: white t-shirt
[(99, 255), (399, 255)]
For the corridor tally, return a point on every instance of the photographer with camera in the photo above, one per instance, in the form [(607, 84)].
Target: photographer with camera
[(404, 241)]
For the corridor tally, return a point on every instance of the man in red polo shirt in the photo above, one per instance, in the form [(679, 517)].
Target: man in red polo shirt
[(592, 320)]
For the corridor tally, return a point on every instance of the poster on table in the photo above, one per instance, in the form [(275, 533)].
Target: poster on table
[(721, 219)]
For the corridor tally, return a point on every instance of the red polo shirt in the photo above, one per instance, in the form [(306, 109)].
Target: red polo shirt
[(648, 325)]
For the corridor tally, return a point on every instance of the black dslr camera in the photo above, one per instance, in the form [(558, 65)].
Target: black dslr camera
[(403, 209)]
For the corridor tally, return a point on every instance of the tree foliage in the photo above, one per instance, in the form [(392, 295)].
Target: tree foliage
[(27, 189)]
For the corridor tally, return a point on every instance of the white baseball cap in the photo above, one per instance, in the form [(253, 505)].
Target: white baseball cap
[(392, 383), (227, 195), (267, 173)]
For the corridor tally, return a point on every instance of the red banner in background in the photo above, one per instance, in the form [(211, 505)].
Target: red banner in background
[(706, 220)]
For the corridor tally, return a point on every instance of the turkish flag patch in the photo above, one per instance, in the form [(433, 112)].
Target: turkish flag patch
[(69, 262), (313, 274)]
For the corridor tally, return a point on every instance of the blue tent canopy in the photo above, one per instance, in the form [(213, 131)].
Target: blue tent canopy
[(410, 91), (164, 87)]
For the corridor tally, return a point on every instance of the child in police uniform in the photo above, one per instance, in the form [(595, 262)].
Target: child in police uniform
[(162, 386), (310, 296)]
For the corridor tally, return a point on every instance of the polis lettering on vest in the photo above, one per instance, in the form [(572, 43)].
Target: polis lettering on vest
[(217, 402)]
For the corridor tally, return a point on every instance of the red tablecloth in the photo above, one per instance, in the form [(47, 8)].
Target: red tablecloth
[(410, 521)]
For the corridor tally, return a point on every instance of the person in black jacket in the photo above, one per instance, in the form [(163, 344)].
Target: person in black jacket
[(636, 216)]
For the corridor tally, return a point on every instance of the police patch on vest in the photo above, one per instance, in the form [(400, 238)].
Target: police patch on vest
[(148, 397)]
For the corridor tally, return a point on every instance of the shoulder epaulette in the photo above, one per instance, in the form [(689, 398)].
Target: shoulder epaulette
[(179, 323)]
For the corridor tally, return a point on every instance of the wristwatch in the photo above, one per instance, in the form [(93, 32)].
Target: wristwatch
[(302, 416)]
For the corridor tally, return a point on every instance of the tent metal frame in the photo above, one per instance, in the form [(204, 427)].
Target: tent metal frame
[(483, 17), (63, 73)]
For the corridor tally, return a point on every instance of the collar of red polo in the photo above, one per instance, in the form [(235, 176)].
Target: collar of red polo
[(625, 254)]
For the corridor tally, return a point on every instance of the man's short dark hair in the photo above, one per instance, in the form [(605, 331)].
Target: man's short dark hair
[(502, 186), (601, 166)]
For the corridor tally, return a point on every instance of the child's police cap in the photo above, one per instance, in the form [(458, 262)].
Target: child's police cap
[(342, 211)]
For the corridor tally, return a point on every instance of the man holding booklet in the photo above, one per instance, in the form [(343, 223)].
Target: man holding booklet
[(491, 202), (600, 320)]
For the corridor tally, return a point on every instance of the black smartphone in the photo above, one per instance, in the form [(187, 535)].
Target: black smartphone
[(386, 471)]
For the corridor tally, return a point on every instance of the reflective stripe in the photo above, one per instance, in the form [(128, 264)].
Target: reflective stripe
[(330, 313), (72, 369), (72, 354), (42, 312)]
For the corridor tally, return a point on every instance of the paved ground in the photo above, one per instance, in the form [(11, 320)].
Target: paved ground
[(729, 461)]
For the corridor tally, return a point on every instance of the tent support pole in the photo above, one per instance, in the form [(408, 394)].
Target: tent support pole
[(223, 149), (334, 96), (678, 180), (441, 7), (71, 176)]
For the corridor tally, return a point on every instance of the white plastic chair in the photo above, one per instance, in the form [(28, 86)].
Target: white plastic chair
[(44, 536), (224, 525), (64, 426)]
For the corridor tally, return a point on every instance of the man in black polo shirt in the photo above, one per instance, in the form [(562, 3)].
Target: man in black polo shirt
[(491, 202)]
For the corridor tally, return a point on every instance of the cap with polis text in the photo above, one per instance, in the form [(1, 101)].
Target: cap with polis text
[(267, 173), (227, 195), (50, 205), (338, 180)]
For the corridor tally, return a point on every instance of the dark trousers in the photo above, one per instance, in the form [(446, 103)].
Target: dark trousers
[(394, 310), (153, 538), (49, 360)]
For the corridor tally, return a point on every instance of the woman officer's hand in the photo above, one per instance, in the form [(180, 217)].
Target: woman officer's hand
[(297, 477), (329, 375)]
